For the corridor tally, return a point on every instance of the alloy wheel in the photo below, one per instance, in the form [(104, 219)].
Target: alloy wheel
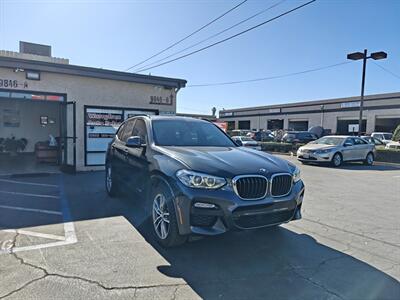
[(337, 160), (161, 216)]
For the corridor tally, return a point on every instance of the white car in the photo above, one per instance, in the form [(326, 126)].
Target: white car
[(385, 137), (246, 142), (393, 145)]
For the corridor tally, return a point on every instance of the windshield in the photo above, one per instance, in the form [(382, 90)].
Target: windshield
[(329, 141), (189, 133), (387, 136)]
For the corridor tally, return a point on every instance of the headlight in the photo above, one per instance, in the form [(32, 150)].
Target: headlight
[(199, 180), (323, 151), (296, 174)]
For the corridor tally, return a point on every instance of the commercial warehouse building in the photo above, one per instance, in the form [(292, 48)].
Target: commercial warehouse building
[(80, 107), (339, 116)]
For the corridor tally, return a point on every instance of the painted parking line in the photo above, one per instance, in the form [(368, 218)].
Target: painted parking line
[(36, 234), (69, 229), (44, 211), (30, 195), (29, 183), (70, 238)]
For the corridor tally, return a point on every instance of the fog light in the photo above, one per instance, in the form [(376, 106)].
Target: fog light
[(204, 205)]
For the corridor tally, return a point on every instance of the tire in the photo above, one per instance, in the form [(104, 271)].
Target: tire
[(337, 160), (369, 160), (163, 217), (111, 183)]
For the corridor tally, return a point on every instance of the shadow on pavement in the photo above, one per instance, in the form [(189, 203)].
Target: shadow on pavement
[(275, 263)]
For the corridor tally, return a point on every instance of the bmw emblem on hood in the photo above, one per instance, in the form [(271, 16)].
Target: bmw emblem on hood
[(263, 170)]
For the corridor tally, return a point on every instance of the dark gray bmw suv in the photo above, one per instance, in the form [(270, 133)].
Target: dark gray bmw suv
[(196, 180)]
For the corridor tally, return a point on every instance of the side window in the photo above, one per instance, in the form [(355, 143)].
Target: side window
[(140, 130), (120, 132), (127, 130), (349, 141), (359, 141)]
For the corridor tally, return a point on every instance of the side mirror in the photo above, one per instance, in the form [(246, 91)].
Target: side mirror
[(348, 144), (134, 142), (239, 143)]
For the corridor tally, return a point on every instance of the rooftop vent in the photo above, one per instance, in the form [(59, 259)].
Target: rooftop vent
[(36, 49)]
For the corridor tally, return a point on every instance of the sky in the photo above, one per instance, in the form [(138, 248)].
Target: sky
[(118, 34)]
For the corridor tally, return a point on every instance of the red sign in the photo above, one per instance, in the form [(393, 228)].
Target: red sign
[(222, 125)]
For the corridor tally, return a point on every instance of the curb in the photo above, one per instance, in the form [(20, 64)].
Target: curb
[(383, 163)]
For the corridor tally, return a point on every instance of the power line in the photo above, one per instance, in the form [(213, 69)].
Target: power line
[(232, 36), (188, 36), (386, 70), (270, 77), (212, 36)]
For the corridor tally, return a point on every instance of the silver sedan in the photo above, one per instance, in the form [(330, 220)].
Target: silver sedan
[(336, 149)]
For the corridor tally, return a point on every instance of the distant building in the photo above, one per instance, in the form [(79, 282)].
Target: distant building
[(198, 116), (340, 116)]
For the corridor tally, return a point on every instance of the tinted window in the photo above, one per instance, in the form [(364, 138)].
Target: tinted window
[(189, 133), (140, 130), (127, 130), (359, 141), (349, 141), (120, 132), (387, 136)]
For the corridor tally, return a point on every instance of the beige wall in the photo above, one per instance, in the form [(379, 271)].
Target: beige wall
[(93, 91), (29, 114)]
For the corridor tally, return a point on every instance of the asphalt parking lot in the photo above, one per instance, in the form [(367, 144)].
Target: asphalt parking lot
[(62, 237)]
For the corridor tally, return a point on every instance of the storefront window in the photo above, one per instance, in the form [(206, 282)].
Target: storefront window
[(101, 126)]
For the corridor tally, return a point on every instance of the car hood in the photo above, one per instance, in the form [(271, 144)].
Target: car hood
[(228, 161), (317, 147)]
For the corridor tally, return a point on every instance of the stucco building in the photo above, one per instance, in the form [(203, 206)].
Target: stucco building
[(81, 107)]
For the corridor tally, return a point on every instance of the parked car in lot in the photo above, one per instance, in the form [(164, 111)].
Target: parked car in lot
[(373, 140), (298, 137), (196, 180), (393, 145), (336, 149), (264, 136), (385, 137), (246, 142)]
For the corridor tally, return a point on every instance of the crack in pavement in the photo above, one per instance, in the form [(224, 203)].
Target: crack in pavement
[(309, 279), (351, 232), (90, 281)]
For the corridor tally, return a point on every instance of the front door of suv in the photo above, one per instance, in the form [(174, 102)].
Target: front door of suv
[(120, 152), (137, 160)]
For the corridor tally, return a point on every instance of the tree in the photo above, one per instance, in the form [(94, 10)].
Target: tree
[(396, 134)]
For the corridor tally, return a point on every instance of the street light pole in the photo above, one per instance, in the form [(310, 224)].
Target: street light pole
[(364, 56), (362, 92)]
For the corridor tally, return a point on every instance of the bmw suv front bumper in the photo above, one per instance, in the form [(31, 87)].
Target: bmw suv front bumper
[(213, 212)]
